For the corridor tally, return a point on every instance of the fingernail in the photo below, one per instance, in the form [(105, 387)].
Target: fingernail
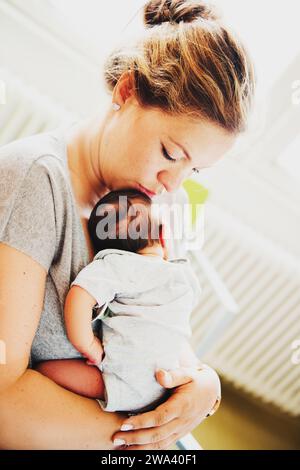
[(119, 442), (167, 378), (126, 427)]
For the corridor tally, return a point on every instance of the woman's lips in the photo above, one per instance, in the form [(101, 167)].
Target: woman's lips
[(146, 191)]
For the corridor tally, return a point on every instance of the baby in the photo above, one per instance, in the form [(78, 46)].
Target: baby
[(127, 312)]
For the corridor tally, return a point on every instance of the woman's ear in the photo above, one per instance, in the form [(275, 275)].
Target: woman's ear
[(124, 89)]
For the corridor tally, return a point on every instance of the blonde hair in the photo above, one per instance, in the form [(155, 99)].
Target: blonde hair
[(188, 63)]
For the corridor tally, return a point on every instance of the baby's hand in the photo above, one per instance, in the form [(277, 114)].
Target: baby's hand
[(95, 353)]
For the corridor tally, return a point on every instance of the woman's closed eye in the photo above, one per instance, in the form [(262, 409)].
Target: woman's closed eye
[(173, 160), (166, 155)]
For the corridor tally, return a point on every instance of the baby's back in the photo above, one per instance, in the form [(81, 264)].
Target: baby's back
[(147, 327)]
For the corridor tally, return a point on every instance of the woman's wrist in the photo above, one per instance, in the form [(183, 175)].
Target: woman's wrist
[(210, 376)]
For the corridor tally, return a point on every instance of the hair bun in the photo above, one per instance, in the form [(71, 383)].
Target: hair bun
[(174, 11)]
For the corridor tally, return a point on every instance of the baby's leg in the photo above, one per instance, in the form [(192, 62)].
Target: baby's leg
[(74, 375)]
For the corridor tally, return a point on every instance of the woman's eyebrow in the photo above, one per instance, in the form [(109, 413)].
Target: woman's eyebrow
[(182, 148), (186, 153)]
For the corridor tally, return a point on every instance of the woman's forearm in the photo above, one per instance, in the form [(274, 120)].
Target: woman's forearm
[(36, 413)]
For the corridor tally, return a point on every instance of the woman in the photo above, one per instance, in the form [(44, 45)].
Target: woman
[(180, 96)]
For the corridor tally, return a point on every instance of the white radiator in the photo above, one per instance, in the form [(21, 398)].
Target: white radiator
[(255, 352)]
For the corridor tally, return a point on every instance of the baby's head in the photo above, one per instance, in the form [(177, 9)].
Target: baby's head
[(125, 220)]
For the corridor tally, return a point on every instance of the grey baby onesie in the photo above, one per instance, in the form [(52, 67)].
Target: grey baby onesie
[(149, 303)]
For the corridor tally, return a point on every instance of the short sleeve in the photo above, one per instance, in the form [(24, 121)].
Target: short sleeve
[(27, 214), (99, 280)]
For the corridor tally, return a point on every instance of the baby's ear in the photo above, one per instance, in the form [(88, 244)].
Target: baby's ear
[(161, 235)]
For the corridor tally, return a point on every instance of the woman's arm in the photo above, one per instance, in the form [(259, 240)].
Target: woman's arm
[(78, 311), (36, 413)]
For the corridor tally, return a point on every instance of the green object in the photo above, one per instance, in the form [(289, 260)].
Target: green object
[(197, 194), (97, 310), (107, 313)]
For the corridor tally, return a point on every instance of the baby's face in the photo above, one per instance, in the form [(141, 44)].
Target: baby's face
[(160, 220), (150, 215)]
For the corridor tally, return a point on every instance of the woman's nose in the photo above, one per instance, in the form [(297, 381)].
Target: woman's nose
[(171, 180)]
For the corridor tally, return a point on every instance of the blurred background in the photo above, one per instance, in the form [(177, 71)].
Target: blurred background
[(247, 324)]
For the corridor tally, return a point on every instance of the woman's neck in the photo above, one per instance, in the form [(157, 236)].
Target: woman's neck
[(83, 143)]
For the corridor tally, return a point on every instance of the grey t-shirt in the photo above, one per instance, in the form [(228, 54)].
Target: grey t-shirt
[(39, 217)]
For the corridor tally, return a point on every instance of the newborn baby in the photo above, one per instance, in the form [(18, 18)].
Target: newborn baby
[(141, 303)]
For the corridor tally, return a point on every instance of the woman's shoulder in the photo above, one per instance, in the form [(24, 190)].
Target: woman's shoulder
[(33, 196), (46, 149), (33, 177), (35, 164)]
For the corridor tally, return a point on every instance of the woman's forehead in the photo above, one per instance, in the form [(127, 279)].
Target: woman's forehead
[(177, 126), (200, 139)]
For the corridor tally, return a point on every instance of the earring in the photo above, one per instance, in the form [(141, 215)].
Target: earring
[(116, 106)]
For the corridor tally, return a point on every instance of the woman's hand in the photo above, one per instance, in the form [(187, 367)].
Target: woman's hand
[(191, 401)]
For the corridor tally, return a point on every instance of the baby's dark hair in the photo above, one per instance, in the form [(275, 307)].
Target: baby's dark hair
[(111, 220)]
